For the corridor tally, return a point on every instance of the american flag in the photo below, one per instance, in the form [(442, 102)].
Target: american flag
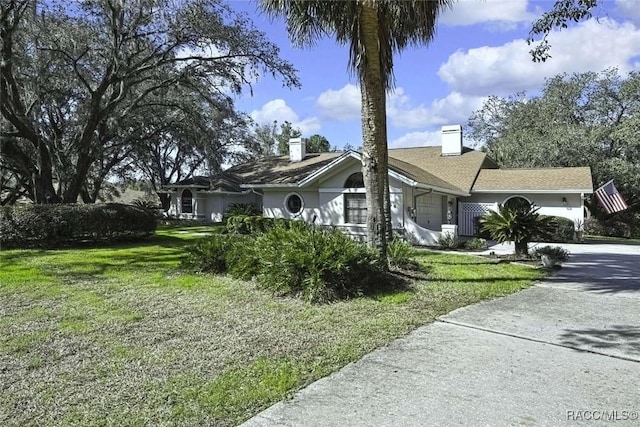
[(610, 199)]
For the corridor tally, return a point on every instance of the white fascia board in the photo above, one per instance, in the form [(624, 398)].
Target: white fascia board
[(325, 169), (268, 185), (443, 190), (573, 190), (225, 192), (402, 178)]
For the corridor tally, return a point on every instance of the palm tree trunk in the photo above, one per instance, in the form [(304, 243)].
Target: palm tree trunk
[(374, 168)]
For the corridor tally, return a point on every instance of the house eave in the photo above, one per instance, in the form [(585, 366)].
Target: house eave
[(441, 190), (522, 190), (249, 186), (326, 168)]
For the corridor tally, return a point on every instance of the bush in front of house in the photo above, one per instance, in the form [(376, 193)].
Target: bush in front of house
[(555, 253), (293, 259), (253, 224), (50, 226), (563, 230), (401, 254), (449, 241), (476, 244), (317, 264)]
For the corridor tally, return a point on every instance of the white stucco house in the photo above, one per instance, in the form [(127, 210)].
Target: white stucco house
[(433, 189)]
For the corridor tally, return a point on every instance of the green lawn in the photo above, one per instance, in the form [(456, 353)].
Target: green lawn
[(121, 336), (616, 240)]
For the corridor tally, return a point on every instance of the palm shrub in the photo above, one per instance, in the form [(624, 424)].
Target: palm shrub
[(518, 225), (245, 209), (317, 264), (401, 254)]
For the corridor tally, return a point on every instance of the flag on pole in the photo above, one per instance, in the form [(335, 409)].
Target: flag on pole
[(610, 198)]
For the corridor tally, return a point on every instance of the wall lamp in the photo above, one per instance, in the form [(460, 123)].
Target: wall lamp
[(564, 201)]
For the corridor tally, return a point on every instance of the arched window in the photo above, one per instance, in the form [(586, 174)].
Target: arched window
[(518, 202), (187, 202), (355, 204), (355, 180)]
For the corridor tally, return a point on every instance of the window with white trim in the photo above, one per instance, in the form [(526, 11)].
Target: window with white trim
[(294, 204), (187, 202), (355, 204), (355, 208)]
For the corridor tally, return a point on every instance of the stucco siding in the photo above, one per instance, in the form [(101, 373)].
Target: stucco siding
[(550, 204), (273, 202)]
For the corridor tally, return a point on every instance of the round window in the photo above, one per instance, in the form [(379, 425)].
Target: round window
[(294, 203)]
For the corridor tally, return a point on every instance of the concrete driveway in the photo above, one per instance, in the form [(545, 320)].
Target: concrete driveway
[(563, 351)]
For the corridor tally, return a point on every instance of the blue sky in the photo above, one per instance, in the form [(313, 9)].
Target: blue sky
[(479, 50)]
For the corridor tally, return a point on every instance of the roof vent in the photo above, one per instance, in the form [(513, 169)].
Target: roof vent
[(451, 140), (297, 149)]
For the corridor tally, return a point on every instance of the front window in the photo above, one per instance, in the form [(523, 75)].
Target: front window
[(355, 208), (187, 202)]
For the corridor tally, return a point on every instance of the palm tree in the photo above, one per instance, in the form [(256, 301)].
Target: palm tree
[(517, 223), (374, 31)]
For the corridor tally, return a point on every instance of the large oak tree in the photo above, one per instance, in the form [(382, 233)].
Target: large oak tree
[(82, 82)]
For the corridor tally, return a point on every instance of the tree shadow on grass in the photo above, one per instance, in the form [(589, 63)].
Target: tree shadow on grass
[(398, 280), (623, 338), (84, 264)]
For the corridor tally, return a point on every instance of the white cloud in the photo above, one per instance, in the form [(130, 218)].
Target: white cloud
[(455, 108), (629, 9), (342, 104), (417, 139), (502, 14), (277, 109), (590, 46)]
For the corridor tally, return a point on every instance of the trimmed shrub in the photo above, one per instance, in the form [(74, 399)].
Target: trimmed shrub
[(400, 254), (563, 230), (48, 226), (556, 253), (476, 244), (449, 241)]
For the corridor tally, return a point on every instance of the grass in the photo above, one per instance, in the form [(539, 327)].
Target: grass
[(121, 336), (607, 239)]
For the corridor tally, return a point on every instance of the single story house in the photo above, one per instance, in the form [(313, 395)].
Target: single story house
[(433, 189)]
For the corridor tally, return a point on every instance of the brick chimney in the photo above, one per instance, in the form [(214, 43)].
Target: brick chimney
[(297, 149), (451, 140)]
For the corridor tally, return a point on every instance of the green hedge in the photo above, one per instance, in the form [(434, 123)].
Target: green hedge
[(49, 226), (563, 230), (293, 258)]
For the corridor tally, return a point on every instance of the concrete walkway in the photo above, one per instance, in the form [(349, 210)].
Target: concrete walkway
[(565, 350)]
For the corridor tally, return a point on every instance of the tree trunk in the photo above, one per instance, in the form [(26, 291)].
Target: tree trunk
[(45, 193), (374, 146), (521, 249)]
